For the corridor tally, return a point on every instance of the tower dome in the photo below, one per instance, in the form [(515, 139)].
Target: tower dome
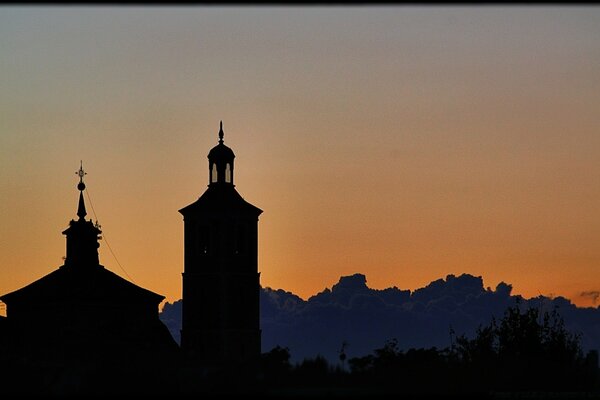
[(220, 162)]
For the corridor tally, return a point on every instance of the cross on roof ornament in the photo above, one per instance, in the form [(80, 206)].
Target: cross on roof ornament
[(81, 173)]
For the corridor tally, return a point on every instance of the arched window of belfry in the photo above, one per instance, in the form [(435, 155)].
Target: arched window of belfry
[(227, 173), (213, 173)]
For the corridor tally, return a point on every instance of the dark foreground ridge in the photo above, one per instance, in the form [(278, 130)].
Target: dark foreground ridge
[(524, 354)]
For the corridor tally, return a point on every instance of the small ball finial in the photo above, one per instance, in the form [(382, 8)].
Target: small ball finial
[(221, 134)]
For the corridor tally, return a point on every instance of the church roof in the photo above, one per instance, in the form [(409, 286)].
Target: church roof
[(82, 278), (221, 198), (86, 284)]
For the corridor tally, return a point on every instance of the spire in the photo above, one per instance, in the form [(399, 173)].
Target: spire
[(81, 213), (82, 235), (221, 133)]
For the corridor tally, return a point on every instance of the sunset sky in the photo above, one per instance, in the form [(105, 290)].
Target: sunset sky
[(402, 142)]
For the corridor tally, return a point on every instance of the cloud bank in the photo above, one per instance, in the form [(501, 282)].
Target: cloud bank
[(366, 318)]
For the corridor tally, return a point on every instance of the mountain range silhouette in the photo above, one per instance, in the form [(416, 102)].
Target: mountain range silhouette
[(366, 318)]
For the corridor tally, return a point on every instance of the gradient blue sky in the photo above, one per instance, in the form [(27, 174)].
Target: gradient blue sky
[(403, 142)]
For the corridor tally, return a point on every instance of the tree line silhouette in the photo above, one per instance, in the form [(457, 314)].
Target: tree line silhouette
[(526, 350)]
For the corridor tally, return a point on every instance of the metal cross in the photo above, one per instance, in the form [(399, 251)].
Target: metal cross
[(81, 173)]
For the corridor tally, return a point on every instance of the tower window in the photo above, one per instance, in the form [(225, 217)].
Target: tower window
[(240, 240), (227, 173), (203, 239), (213, 173)]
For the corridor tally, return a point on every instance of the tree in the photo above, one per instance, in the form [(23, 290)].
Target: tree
[(524, 350), (275, 364)]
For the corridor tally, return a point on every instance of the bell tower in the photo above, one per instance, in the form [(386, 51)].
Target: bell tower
[(220, 324)]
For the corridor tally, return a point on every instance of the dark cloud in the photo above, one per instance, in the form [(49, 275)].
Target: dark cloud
[(592, 294), (171, 317), (366, 318)]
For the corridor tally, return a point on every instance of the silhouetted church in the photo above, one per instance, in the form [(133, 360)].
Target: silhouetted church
[(82, 328), (220, 324)]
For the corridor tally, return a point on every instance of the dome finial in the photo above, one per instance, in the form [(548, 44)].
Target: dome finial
[(221, 133), (81, 212)]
